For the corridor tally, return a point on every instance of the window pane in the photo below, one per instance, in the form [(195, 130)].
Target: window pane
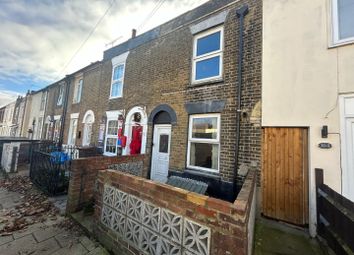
[(118, 72), (112, 127), (117, 89), (204, 155), (346, 18), (79, 91), (163, 146), (207, 68), (205, 128), (208, 43), (111, 145)]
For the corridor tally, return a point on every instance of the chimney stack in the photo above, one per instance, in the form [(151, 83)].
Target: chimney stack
[(133, 33)]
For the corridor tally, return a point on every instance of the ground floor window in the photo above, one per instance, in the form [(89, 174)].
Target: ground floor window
[(73, 128), (204, 142), (114, 123)]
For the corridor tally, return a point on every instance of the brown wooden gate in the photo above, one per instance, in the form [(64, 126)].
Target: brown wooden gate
[(285, 174)]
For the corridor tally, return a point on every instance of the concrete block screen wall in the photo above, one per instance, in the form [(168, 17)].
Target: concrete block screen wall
[(84, 173), (134, 215)]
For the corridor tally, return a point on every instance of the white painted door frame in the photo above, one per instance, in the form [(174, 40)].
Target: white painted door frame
[(347, 144), (160, 160)]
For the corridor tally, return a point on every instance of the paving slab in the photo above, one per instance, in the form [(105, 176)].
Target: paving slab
[(76, 249), (66, 239), (6, 239), (44, 234), (23, 244), (98, 251), (87, 243), (47, 247), (277, 238), (29, 230)]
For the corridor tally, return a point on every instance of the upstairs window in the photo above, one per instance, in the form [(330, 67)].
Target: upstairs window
[(77, 91), (60, 95), (207, 55), (343, 21), (204, 142), (117, 81)]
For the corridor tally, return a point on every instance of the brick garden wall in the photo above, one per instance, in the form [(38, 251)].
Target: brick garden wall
[(131, 215), (83, 177)]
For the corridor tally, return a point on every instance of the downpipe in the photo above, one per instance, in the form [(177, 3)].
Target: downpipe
[(240, 13)]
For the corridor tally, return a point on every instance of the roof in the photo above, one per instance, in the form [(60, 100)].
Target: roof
[(167, 27)]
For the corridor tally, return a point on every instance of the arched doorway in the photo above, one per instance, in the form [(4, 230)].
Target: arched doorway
[(135, 130), (162, 118), (88, 120)]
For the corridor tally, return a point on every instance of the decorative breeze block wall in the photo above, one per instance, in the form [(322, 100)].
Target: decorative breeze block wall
[(152, 229)]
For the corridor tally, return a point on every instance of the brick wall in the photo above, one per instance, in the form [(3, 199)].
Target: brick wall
[(159, 71), (83, 176), (90, 100), (230, 224)]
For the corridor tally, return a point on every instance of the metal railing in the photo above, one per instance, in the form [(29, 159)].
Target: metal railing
[(50, 166)]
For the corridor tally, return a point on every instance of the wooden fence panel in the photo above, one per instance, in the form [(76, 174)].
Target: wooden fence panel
[(285, 174), (335, 217)]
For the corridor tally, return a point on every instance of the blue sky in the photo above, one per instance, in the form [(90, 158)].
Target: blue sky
[(39, 37)]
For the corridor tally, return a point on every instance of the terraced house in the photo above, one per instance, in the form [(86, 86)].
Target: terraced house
[(186, 93), (171, 93)]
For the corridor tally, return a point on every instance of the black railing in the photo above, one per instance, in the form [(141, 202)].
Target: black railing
[(50, 166)]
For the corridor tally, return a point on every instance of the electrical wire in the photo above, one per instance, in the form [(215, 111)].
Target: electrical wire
[(151, 14), (86, 39)]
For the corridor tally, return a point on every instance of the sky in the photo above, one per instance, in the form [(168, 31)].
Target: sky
[(40, 39)]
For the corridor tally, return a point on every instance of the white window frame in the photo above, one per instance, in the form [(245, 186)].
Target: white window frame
[(56, 128), (118, 61), (208, 55), (203, 140), (60, 95), (73, 129), (335, 26), (78, 91), (111, 115)]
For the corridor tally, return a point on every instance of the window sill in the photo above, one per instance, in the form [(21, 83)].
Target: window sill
[(109, 154), (203, 173), (115, 97), (205, 83), (341, 44)]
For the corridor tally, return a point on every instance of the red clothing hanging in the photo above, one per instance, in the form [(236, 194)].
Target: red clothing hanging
[(135, 144)]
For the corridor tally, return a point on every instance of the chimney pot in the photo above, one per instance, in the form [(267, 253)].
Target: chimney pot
[(133, 33)]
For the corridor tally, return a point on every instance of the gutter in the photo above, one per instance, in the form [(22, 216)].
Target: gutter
[(240, 13)]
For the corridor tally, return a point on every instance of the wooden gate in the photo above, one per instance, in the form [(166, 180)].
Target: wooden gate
[(285, 174)]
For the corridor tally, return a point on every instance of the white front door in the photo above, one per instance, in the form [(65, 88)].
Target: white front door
[(87, 134), (161, 153), (348, 175), (347, 106)]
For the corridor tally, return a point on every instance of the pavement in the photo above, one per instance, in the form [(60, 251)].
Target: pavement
[(275, 238), (51, 234)]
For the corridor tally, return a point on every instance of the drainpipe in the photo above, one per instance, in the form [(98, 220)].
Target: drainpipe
[(240, 13), (65, 107)]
